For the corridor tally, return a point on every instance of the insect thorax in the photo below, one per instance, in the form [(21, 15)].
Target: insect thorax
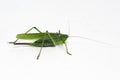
[(58, 39)]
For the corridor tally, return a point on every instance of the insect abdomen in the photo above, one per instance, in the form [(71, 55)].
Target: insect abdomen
[(47, 43)]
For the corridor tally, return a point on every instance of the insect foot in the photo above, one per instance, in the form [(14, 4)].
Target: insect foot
[(11, 42), (68, 53)]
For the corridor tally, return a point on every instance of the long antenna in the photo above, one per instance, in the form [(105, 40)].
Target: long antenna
[(68, 23), (101, 42), (68, 28), (93, 40)]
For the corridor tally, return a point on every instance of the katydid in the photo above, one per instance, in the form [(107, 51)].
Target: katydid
[(43, 39), (47, 39)]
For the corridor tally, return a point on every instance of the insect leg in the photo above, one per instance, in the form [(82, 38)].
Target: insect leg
[(33, 28), (67, 48), (28, 32), (40, 49), (64, 43), (51, 38)]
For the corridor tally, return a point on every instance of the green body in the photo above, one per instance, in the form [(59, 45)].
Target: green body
[(57, 37), (42, 39)]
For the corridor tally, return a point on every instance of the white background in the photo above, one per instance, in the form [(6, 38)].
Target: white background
[(95, 19)]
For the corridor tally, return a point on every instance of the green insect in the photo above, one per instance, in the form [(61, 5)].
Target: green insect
[(43, 39)]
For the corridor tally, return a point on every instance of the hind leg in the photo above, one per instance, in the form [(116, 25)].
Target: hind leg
[(28, 32)]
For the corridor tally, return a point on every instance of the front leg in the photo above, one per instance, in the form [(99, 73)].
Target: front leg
[(64, 43)]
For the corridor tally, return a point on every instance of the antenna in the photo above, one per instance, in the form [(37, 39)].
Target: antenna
[(68, 26), (101, 42), (93, 40)]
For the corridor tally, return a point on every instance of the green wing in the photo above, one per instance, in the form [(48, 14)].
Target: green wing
[(30, 36)]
